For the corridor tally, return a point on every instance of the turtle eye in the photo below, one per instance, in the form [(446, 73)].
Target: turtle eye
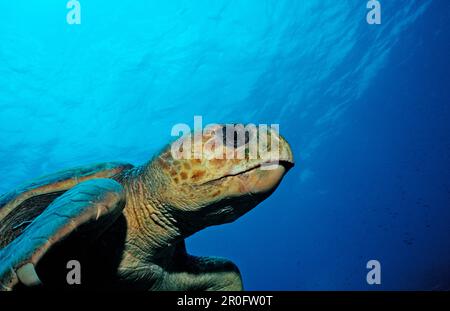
[(240, 137)]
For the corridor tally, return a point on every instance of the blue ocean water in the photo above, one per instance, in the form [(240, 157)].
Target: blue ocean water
[(364, 107)]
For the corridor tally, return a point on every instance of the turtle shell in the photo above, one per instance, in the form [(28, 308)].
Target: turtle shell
[(20, 207)]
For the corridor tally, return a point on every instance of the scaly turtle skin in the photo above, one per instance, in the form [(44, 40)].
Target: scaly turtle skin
[(126, 225)]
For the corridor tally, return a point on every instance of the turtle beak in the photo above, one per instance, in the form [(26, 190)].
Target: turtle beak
[(268, 176), (286, 155)]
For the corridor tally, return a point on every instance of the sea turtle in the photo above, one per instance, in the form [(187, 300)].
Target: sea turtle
[(126, 225)]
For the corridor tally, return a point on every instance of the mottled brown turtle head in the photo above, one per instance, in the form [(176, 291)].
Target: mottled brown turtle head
[(218, 174)]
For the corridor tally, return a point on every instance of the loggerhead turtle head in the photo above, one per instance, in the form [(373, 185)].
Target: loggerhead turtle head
[(216, 175)]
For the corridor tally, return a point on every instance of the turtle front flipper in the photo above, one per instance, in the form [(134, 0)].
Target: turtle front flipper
[(194, 273), (94, 203)]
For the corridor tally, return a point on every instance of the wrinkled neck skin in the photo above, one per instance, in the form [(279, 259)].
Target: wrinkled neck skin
[(154, 228)]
